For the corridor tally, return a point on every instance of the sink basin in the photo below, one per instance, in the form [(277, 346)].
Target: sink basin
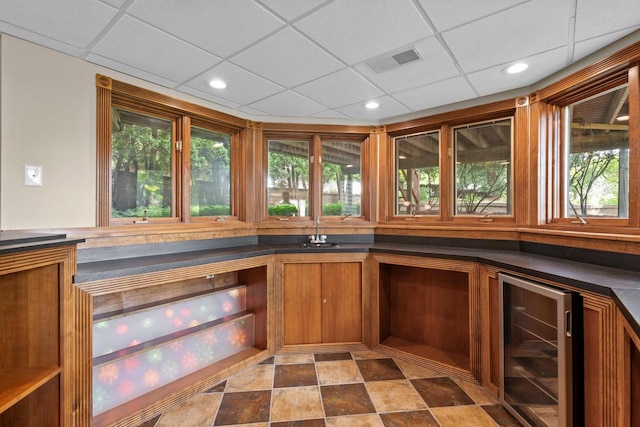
[(319, 245)]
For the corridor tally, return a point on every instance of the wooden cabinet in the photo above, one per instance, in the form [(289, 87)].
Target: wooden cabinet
[(599, 342), (427, 311), (167, 335), (628, 373), (38, 375), (322, 301)]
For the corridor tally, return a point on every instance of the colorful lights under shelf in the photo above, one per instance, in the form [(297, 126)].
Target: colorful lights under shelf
[(123, 331), (138, 352), (123, 379)]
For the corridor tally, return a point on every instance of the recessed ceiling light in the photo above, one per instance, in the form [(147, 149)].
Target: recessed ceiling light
[(401, 157), (518, 67), (349, 166), (371, 105), (217, 84), (622, 118)]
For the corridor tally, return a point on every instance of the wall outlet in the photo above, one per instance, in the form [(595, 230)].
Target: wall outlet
[(33, 176)]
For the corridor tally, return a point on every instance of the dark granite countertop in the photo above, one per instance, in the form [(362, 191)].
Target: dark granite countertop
[(16, 241), (621, 285)]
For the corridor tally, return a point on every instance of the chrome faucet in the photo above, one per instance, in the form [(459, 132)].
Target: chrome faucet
[(317, 238)]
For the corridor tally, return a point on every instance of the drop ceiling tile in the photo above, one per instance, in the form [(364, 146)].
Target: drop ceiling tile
[(288, 104), (290, 10), (131, 71), (436, 94), (221, 27), (287, 58), (598, 17), (355, 30), (339, 89), (330, 114), (115, 3), (388, 107), (509, 35), (75, 22), (448, 14), (589, 46), (252, 111), (242, 88), (146, 48), (435, 65), (208, 97), (493, 80), (32, 37)]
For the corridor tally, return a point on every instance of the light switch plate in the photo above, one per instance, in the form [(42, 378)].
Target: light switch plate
[(33, 176)]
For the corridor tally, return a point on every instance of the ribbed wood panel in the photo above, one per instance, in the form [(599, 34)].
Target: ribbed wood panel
[(103, 151)]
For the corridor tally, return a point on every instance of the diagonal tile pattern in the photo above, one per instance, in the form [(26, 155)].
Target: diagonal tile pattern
[(338, 389)]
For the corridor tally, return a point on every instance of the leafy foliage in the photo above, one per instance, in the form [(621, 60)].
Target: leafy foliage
[(284, 209)]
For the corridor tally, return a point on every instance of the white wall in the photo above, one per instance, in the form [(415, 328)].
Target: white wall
[(47, 118)]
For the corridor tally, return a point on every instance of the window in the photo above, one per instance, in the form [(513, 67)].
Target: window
[(141, 165), (288, 177), (418, 174), (341, 184), (596, 156), (483, 168), (210, 173), (314, 175), (162, 159)]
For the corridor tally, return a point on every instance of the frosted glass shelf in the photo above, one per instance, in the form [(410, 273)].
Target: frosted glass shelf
[(131, 329), (126, 378)]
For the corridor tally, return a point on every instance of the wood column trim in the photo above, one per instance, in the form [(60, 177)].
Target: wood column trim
[(103, 150)]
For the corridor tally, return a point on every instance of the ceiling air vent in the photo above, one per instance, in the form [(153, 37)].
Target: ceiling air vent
[(391, 60)]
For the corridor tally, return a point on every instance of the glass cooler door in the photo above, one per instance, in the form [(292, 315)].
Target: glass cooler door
[(536, 372)]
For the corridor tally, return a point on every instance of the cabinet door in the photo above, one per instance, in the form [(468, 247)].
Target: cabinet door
[(302, 303), (341, 302)]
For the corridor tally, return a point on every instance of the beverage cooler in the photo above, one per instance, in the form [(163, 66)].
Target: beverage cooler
[(540, 353)]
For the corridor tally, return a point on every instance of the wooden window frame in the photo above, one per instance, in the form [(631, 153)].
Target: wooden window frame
[(445, 123), (584, 87), (115, 93), (315, 139)]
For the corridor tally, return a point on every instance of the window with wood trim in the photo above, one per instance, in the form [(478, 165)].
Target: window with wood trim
[(457, 167), (483, 158), (595, 156), (162, 159), (417, 160), (310, 175)]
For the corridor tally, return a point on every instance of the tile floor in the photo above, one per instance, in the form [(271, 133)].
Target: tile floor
[(338, 389)]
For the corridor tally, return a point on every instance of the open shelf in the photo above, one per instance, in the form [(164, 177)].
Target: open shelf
[(17, 383), (160, 343), (425, 312)]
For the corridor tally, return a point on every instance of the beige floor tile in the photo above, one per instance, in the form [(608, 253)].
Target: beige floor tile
[(413, 371), (338, 372), (198, 411), (296, 403), (286, 359), (259, 377), (462, 416), (371, 420), (396, 395), (479, 394), (368, 354)]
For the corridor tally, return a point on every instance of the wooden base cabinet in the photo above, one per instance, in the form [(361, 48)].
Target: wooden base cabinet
[(427, 311), (322, 301), (165, 336), (599, 352), (38, 376)]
